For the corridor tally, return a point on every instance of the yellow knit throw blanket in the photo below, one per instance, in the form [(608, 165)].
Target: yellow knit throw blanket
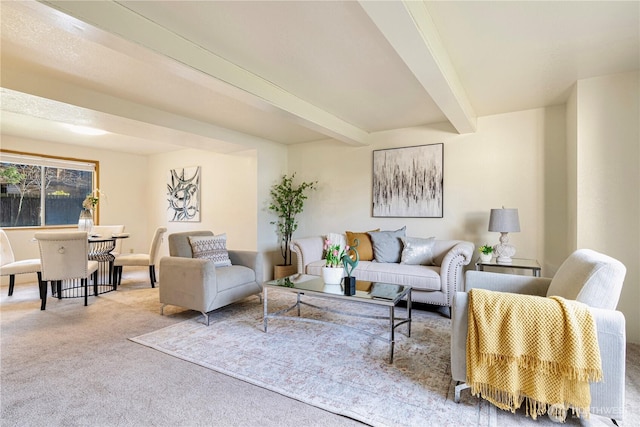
[(544, 350)]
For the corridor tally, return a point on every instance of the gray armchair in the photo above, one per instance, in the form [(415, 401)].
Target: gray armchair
[(586, 276), (197, 284)]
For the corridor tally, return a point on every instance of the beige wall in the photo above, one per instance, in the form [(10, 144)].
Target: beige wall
[(512, 160), (608, 179), (228, 194)]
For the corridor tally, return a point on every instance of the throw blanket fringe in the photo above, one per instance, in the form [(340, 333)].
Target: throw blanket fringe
[(523, 347), (547, 367)]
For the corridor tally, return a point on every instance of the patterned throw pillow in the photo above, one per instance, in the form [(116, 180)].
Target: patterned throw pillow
[(211, 247)]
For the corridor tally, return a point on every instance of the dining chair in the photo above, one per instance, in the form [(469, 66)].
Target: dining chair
[(64, 257), (10, 267), (140, 259)]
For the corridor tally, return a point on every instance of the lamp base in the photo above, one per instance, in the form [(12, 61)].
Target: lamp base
[(503, 250)]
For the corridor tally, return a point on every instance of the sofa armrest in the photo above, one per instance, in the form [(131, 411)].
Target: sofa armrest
[(251, 259), (307, 250), (451, 273), (187, 282), (501, 282)]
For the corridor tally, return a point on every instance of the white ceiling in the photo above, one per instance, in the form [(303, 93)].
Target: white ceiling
[(229, 75)]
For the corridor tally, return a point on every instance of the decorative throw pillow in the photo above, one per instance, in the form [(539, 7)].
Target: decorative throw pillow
[(365, 250), (213, 248), (387, 246), (417, 251), (337, 239)]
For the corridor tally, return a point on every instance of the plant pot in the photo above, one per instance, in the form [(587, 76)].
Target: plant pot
[(280, 271), (332, 276), (485, 257)]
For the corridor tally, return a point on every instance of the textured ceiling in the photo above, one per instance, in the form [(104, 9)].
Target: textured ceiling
[(227, 76)]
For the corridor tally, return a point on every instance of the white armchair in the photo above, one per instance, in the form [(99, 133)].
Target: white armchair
[(586, 276)]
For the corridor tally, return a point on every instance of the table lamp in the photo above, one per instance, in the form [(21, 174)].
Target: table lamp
[(504, 221)]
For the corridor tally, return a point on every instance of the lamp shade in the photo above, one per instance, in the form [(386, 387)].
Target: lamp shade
[(504, 220)]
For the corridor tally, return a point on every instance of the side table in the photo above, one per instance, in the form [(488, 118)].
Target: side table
[(521, 263)]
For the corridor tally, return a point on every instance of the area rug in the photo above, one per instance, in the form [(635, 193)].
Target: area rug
[(332, 367)]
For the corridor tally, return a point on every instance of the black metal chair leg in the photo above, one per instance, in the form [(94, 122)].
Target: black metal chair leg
[(43, 294), (59, 288), (12, 282), (152, 275), (86, 290)]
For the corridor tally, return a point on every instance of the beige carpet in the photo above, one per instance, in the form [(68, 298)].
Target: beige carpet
[(333, 368), (75, 366)]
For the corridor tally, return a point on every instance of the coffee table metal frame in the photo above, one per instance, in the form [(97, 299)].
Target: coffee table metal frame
[(313, 286)]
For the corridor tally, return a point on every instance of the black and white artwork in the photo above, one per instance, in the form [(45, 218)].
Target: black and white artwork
[(183, 194), (407, 182)]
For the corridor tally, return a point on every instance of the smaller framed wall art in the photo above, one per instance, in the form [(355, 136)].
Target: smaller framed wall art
[(408, 182), (183, 194)]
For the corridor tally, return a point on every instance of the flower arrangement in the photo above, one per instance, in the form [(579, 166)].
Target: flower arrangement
[(333, 254), (91, 200), (486, 249)]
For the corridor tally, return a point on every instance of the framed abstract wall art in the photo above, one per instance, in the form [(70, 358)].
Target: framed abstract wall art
[(183, 194), (408, 182)]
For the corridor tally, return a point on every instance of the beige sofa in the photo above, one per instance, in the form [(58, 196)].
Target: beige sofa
[(431, 284), (197, 284)]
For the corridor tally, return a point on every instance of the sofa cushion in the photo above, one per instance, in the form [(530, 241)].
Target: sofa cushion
[(213, 248), (417, 251), (234, 276), (419, 277), (365, 250), (387, 246)]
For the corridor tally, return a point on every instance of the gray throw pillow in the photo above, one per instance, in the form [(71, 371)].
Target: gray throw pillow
[(387, 246), (417, 251)]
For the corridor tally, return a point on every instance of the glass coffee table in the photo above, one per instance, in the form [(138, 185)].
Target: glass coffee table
[(371, 293)]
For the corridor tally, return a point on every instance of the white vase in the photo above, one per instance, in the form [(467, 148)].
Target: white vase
[(332, 276), (485, 257), (85, 222)]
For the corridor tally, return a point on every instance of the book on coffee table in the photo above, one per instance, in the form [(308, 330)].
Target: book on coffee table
[(384, 290)]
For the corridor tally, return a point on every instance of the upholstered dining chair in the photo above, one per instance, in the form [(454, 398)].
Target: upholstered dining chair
[(585, 276), (10, 267), (64, 257), (141, 259)]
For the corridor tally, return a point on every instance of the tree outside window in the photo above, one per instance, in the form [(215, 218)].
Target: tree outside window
[(37, 195)]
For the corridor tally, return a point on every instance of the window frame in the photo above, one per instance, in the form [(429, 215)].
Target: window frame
[(62, 159)]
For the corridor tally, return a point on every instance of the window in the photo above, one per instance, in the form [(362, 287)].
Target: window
[(41, 191)]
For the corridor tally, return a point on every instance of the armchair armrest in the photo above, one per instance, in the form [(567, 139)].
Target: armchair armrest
[(507, 283), (251, 259), (187, 282)]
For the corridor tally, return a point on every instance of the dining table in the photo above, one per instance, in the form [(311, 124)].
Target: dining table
[(100, 248)]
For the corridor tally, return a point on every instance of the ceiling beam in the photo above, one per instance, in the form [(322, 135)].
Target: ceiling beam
[(230, 79), (410, 30)]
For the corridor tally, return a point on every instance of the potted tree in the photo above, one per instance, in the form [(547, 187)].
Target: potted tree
[(287, 202)]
